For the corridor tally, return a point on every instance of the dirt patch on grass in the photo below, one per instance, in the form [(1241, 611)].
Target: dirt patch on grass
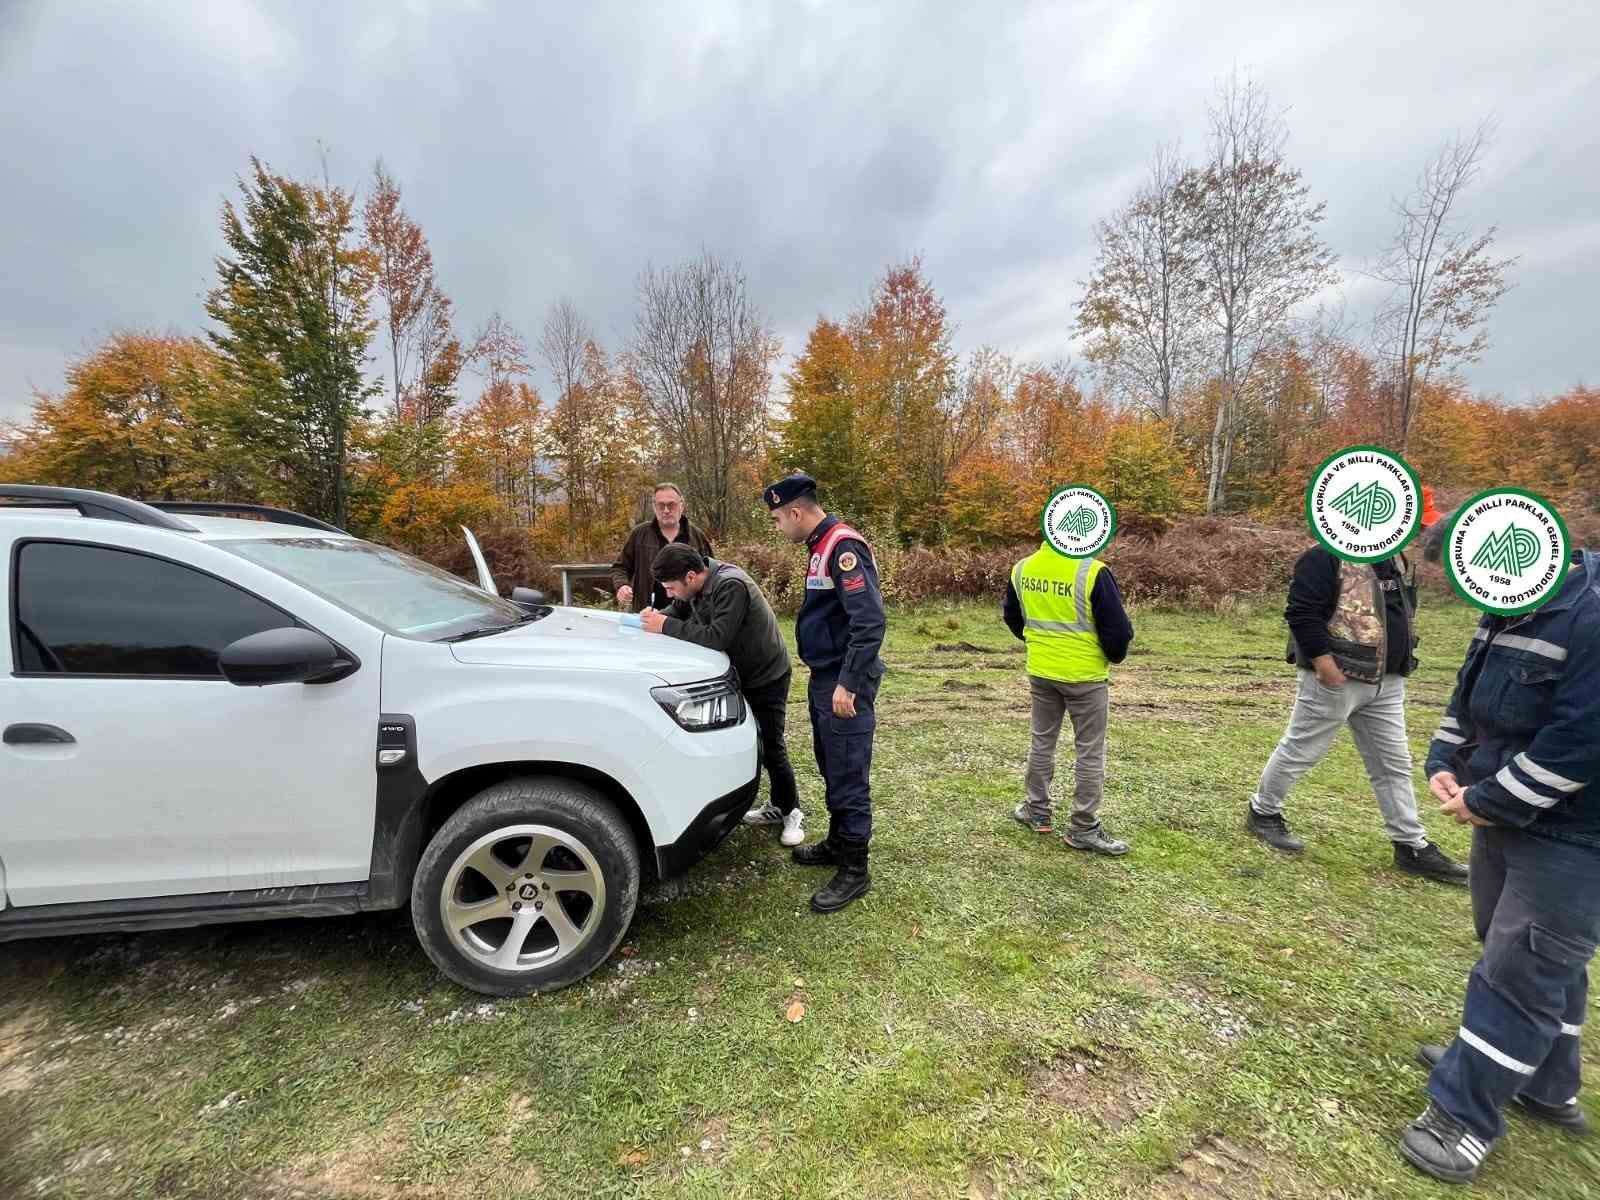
[(19, 1035), (1140, 981), (992, 1181), (360, 1169), (1129, 697), (713, 1145), (970, 663), (1101, 1083), (964, 685), (1218, 1168), (939, 708)]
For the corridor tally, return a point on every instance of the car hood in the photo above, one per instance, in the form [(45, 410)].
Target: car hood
[(586, 639)]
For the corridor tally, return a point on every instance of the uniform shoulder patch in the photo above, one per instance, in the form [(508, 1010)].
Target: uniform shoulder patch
[(854, 583), (847, 561)]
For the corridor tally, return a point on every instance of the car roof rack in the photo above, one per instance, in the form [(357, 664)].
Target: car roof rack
[(101, 505), (254, 512)]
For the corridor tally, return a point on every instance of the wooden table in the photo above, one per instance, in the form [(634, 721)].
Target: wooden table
[(571, 571)]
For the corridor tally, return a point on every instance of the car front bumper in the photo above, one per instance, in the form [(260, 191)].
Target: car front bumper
[(714, 822)]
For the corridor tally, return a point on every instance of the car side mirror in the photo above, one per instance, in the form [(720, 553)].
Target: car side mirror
[(527, 597), (291, 655)]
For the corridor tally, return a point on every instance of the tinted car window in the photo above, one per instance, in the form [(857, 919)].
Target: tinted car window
[(91, 610)]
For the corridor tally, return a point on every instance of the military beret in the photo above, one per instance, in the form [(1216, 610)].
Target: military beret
[(789, 489)]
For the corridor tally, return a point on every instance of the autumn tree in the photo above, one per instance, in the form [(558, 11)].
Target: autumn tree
[(906, 379), (501, 437), (500, 442), (1568, 443), (597, 436), (820, 433), (703, 356), (971, 417), (425, 356), (498, 352), (624, 449), (580, 373), (1444, 280), (1279, 414), (292, 304), (131, 420), (1138, 305), (1251, 235), (1045, 423)]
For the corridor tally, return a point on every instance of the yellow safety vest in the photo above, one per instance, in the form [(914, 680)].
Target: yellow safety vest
[(1059, 626)]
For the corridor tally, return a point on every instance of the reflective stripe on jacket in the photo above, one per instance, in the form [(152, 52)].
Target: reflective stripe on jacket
[(1058, 624)]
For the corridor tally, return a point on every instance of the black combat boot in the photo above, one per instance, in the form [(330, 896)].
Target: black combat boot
[(817, 854), (849, 883)]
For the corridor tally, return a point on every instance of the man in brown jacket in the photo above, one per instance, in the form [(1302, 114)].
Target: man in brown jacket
[(631, 574)]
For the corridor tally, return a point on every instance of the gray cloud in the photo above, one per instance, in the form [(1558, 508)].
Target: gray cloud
[(553, 152)]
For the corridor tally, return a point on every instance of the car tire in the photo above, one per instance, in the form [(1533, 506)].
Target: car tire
[(528, 887)]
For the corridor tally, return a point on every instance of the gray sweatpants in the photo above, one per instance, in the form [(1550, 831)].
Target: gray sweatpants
[(1088, 704), (1377, 718)]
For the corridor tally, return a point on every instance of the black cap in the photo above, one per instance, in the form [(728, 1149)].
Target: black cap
[(789, 489)]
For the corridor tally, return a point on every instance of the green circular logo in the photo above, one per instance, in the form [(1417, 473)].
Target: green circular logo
[(1364, 503), (1506, 551), (1078, 521)]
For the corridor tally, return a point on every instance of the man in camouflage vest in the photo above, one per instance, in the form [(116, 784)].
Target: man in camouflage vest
[(1350, 635)]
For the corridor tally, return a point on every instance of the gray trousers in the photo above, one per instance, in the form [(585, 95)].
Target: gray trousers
[(1377, 718), (1088, 704)]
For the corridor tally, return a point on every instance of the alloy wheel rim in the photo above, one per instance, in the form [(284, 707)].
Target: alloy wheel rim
[(522, 898)]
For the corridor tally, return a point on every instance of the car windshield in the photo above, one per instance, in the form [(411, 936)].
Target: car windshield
[(394, 591)]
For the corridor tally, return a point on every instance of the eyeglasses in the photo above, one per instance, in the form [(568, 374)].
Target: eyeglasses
[(669, 504)]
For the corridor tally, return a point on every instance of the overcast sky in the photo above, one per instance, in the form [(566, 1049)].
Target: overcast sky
[(553, 150)]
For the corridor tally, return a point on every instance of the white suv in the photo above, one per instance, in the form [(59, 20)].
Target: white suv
[(205, 718)]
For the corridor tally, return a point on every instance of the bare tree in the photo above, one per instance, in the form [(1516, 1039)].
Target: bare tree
[(498, 352), (1445, 281), (1137, 307), (703, 357), (1253, 243), (1327, 351), (568, 348), (562, 345)]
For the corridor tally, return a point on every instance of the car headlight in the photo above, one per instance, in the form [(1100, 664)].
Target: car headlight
[(699, 707)]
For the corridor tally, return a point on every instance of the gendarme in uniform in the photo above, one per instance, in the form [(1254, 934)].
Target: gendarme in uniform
[(839, 633)]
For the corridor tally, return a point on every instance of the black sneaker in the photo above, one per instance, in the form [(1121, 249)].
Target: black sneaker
[(1439, 1145), (1568, 1116), (1427, 861), (1095, 840), (1272, 830)]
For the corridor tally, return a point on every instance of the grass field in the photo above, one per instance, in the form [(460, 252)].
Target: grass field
[(1002, 1016)]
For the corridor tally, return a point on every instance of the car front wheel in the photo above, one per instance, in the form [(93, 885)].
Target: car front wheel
[(528, 887)]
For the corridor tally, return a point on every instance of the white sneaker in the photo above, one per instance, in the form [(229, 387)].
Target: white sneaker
[(767, 814), (794, 828)]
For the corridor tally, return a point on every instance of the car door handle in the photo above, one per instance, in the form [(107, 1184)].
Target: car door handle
[(37, 735)]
